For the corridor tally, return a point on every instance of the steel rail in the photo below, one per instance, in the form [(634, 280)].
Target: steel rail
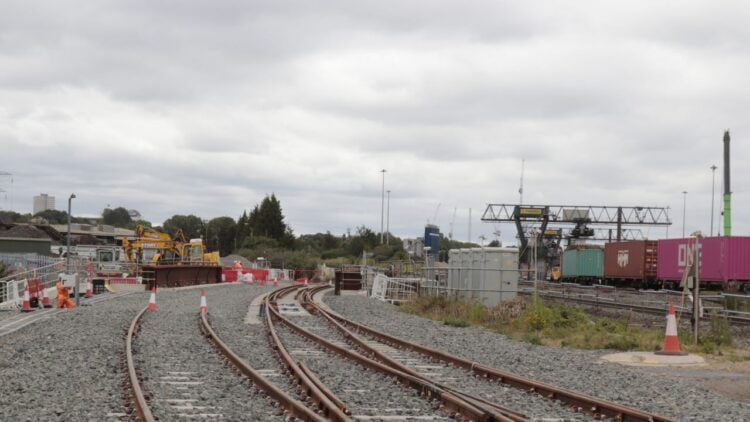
[(142, 410), (333, 407), (452, 402), (498, 411), (627, 306), (582, 402), (295, 407)]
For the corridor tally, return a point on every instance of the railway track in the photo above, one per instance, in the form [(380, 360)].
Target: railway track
[(446, 386), (607, 302), (592, 406), (183, 377)]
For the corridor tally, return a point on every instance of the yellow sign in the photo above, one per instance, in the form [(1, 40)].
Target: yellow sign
[(530, 211), (552, 232)]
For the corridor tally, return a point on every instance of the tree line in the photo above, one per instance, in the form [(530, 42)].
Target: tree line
[(261, 232)]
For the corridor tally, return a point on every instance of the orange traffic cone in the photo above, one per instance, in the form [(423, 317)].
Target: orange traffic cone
[(671, 341), (88, 293), (204, 306), (45, 300), (26, 306), (152, 300)]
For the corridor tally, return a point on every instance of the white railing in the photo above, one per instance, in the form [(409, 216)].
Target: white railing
[(394, 290)]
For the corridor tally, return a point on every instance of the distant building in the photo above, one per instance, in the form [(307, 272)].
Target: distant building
[(102, 233), (43, 202), (414, 247), (23, 239)]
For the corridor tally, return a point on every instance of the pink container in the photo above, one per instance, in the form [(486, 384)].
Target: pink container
[(721, 258)]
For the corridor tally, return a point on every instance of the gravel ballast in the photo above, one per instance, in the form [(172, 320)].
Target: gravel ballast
[(366, 392), (573, 369), (67, 367), (227, 310), (184, 374)]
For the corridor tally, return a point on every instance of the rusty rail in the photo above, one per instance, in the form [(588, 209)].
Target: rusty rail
[(588, 404), (497, 410), (333, 407), (453, 403), (295, 407), (142, 410)]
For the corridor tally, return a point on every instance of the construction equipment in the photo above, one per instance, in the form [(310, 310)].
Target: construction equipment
[(453, 220), (157, 248)]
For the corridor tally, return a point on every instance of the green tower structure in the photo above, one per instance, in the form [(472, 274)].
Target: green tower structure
[(727, 191)]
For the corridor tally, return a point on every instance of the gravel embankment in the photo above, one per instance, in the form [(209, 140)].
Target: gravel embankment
[(574, 369), (366, 392), (67, 367), (183, 373)]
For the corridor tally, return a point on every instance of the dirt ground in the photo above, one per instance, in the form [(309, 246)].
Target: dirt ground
[(721, 374), (728, 378)]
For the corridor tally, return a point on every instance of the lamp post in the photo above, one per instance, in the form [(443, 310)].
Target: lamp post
[(684, 211), (382, 206), (713, 189), (388, 220), (67, 253)]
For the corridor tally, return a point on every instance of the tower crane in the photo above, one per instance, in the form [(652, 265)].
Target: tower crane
[(434, 217), (453, 220)]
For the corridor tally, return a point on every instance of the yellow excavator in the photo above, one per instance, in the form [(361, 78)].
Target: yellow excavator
[(152, 247)]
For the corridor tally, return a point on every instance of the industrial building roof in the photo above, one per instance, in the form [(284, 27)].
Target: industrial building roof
[(101, 230)]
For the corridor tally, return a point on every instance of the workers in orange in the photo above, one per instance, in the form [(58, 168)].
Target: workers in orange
[(63, 298)]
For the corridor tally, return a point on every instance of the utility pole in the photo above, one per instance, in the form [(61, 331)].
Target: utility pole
[(696, 288), (520, 190), (388, 220), (713, 189), (67, 253), (684, 211), (382, 206), (469, 239)]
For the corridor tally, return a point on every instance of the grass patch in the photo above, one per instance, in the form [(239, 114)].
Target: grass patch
[(567, 326)]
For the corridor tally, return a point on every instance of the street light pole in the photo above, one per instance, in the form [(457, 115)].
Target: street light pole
[(713, 188), (388, 220), (382, 206), (67, 253), (684, 212)]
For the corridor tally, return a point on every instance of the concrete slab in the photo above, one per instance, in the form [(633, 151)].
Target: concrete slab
[(253, 312), (122, 287), (652, 359)]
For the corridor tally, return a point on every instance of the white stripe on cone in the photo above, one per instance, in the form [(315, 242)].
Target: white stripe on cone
[(26, 306), (204, 306), (152, 301)]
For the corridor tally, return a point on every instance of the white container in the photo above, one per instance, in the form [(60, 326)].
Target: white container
[(489, 275)]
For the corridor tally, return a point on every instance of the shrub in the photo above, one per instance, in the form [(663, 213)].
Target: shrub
[(455, 322)]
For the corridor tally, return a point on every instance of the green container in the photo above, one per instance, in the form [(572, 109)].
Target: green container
[(583, 263)]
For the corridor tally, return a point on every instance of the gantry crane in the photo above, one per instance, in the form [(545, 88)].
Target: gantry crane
[(578, 216)]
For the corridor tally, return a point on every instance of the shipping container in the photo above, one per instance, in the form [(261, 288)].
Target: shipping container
[(583, 264), (722, 259), (633, 260)]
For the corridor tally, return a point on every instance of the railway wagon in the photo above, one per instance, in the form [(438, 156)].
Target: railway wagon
[(583, 264), (631, 263), (723, 260)]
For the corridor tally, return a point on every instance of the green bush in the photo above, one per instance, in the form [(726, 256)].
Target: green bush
[(455, 322), (719, 332)]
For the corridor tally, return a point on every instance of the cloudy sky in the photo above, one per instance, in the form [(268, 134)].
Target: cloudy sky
[(204, 107)]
